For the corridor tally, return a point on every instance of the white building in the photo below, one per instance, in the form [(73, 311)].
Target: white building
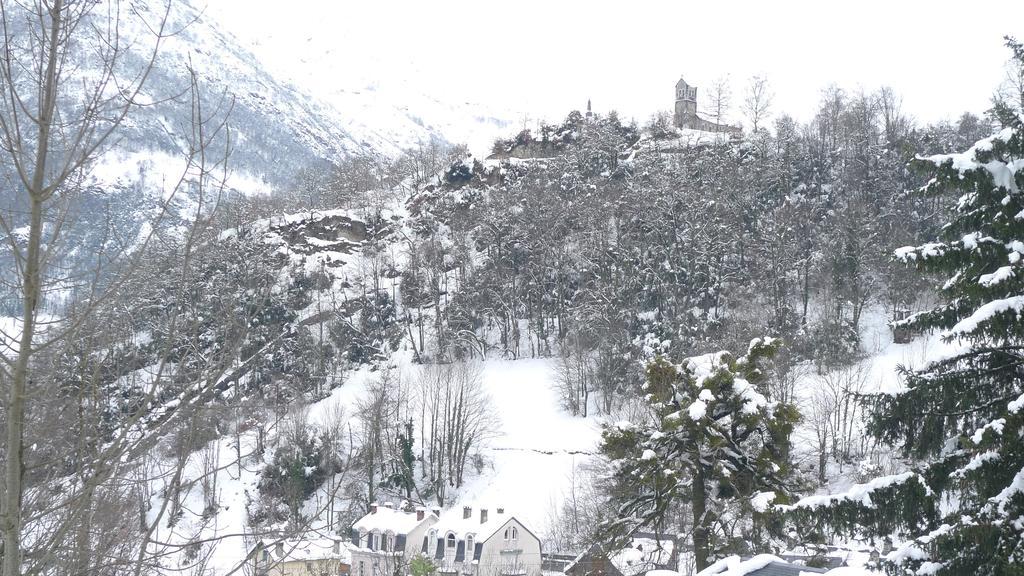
[(303, 557), (488, 543), (387, 539)]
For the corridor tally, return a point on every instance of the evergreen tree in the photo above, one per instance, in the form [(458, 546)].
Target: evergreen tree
[(402, 476), (716, 445), (961, 416)]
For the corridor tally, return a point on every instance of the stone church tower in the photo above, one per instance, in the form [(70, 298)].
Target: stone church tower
[(686, 112), (686, 103)]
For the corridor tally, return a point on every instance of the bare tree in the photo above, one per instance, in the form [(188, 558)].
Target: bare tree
[(575, 375), (456, 419), (382, 414), (820, 418), (719, 100), (838, 397), (757, 101), (1010, 93), (68, 82)]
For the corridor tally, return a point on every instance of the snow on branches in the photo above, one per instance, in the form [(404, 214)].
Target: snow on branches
[(962, 510), (716, 444)]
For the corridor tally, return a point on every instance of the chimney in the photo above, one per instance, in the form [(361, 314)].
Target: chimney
[(436, 511), (501, 510), (466, 512), (389, 505), (337, 546), (420, 513), (483, 515), (279, 550), (373, 508)]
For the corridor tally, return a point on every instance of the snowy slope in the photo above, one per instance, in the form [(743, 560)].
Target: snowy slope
[(275, 128), (538, 446), (284, 113), (878, 372), (389, 101), (530, 462)]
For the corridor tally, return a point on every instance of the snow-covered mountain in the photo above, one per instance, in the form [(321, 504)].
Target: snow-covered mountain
[(264, 126), (278, 126)]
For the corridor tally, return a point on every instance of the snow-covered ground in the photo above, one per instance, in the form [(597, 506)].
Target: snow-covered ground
[(877, 371), (533, 458), (530, 461), (528, 467), (884, 356)]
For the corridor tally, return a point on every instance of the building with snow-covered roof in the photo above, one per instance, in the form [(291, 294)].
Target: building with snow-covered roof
[(485, 543), (302, 557), (386, 539), (760, 565), (643, 553)]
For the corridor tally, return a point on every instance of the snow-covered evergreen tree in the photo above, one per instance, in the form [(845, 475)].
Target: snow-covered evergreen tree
[(715, 445), (963, 416)]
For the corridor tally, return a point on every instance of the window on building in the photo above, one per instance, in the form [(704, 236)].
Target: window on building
[(506, 533), (361, 571), (469, 548), (515, 533), (450, 541)]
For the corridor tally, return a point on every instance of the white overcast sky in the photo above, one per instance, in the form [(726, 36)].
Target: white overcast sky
[(549, 56)]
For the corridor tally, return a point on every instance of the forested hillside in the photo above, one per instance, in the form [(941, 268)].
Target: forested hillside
[(616, 326)]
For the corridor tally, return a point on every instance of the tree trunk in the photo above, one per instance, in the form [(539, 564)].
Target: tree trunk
[(10, 508), (701, 537)]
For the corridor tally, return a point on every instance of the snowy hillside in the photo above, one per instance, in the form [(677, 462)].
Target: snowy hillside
[(277, 121), (256, 295), (529, 463), (532, 460)]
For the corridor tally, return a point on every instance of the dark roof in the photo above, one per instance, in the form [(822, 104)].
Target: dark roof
[(784, 569), (829, 561)]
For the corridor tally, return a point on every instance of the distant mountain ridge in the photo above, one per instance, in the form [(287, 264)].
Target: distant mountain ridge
[(277, 127)]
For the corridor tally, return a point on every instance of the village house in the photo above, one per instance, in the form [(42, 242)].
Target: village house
[(643, 553), (386, 539), (760, 565), (304, 557), (487, 543)]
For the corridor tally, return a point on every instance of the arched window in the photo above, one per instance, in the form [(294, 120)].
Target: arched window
[(506, 533), (450, 541), (469, 547), (515, 533)]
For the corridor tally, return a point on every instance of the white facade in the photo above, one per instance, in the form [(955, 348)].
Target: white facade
[(302, 557), (386, 539), (484, 543)]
